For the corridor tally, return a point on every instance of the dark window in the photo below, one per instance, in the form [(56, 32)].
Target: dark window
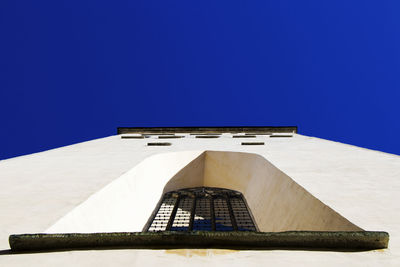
[(132, 136), (243, 136), (205, 134), (158, 144), (170, 136), (258, 133), (202, 209), (252, 143)]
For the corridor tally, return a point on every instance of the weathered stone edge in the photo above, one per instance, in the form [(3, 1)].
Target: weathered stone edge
[(360, 240)]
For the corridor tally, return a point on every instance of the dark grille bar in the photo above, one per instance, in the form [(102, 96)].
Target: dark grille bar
[(212, 211), (231, 215), (192, 214), (171, 219)]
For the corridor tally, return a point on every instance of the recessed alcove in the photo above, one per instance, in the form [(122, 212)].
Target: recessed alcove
[(285, 214), (276, 201)]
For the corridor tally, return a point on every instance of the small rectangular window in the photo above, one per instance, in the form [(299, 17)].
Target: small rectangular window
[(252, 143), (170, 136), (132, 136), (158, 144), (205, 134), (243, 136)]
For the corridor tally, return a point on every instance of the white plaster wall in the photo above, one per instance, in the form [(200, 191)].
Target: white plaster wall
[(125, 204), (39, 189)]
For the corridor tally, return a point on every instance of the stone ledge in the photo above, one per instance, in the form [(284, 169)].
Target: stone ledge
[(360, 240)]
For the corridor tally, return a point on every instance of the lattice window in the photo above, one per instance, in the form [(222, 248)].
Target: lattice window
[(202, 209)]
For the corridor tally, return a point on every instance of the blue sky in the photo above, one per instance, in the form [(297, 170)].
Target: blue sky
[(71, 71)]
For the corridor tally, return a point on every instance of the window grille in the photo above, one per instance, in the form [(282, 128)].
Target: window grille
[(202, 209)]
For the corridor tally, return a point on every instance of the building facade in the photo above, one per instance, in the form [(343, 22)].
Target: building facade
[(217, 180)]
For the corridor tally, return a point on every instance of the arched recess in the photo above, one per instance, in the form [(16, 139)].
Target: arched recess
[(276, 201)]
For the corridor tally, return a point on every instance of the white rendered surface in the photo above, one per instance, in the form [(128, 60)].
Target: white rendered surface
[(38, 190), (276, 201)]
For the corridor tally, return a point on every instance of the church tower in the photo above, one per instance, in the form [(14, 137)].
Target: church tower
[(231, 196)]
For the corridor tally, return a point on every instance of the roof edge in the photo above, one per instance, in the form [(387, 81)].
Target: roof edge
[(211, 129)]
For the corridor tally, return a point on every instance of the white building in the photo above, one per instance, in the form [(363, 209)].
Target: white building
[(337, 198)]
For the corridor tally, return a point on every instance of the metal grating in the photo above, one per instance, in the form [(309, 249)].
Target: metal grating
[(202, 209), (202, 217), (223, 220), (242, 215), (182, 215), (160, 221)]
